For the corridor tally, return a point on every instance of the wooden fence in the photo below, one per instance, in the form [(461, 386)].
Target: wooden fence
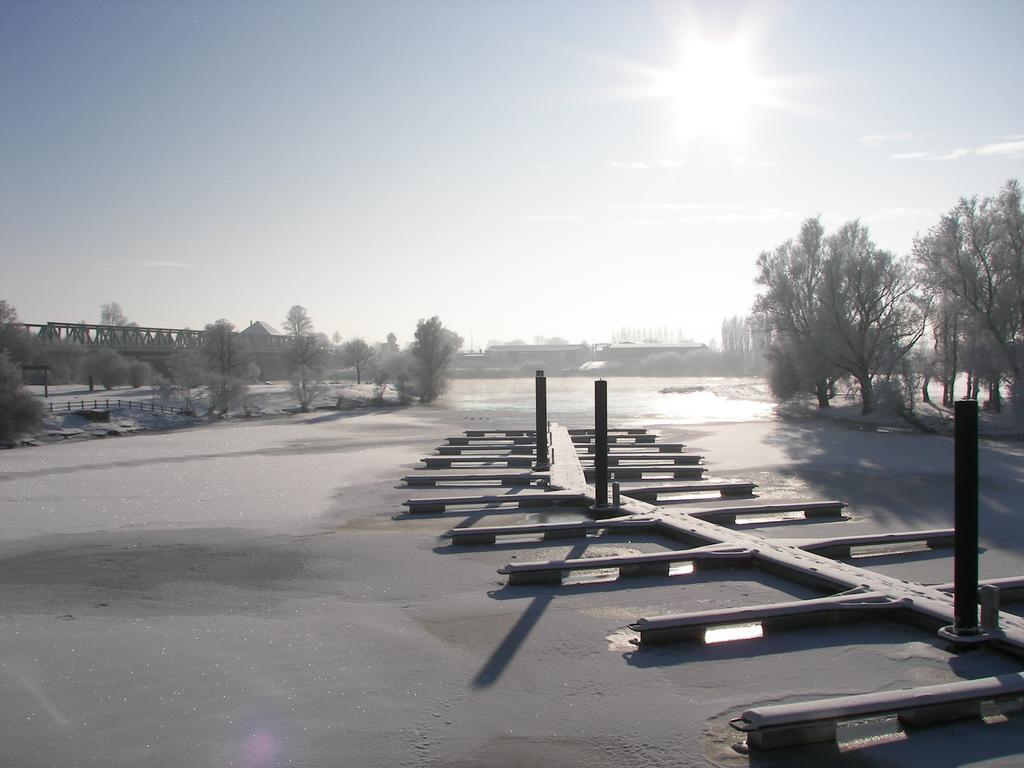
[(107, 404)]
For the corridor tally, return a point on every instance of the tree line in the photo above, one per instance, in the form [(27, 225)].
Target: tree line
[(837, 308), (220, 372)]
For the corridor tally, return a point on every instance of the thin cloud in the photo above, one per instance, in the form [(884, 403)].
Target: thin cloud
[(148, 264), (738, 161), (745, 162), (555, 217), (707, 213), (878, 139), (1004, 148), (752, 216), (675, 207), (953, 154), (898, 212), (635, 165)]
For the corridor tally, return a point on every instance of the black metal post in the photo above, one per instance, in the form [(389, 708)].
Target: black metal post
[(601, 443), (542, 463), (965, 518)]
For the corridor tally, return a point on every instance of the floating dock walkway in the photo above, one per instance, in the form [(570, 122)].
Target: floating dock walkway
[(700, 526)]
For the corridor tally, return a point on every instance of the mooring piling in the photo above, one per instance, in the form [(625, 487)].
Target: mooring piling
[(965, 515), (965, 630), (543, 463), (601, 443)]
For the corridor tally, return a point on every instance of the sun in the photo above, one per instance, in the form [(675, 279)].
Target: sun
[(713, 89), (712, 86)]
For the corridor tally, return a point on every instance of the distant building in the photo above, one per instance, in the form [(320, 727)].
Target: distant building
[(556, 355), (267, 346), (636, 351), (260, 328)]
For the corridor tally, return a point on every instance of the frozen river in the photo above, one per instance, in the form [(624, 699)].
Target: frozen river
[(632, 400), (248, 593)]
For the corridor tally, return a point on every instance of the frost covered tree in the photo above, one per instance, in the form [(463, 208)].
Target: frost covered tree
[(112, 314), (433, 350), (791, 277), (298, 322), (396, 367), (188, 373), (974, 257), (837, 306), (109, 367), (8, 314), (226, 365), (356, 353), (20, 412), (871, 312), (13, 338), (307, 359), (742, 345), (139, 373)]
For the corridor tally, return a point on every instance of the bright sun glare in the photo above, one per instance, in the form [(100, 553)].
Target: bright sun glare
[(713, 89), (714, 86)]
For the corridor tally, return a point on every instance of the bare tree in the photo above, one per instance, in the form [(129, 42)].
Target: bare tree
[(871, 312), (298, 322), (791, 276), (356, 353), (742, 345), (112, 314), (308, 358), (226, 365), (139, 373), (396, 367), (433, 351), (109, 367), (975, 256), (188, 372)]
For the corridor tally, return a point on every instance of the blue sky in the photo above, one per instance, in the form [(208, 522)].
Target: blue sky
[(518, 168)]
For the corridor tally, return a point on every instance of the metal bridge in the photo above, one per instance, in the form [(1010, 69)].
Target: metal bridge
[(143, 341)]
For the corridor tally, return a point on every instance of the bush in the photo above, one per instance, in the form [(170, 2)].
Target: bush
[(109, 368), (20, 412), (225, 393), (783, 377), (187, 374), (432, 352), (139, 373), (66, 361), (397, 367)]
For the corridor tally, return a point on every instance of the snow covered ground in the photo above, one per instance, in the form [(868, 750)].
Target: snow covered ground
[(248, 593)]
